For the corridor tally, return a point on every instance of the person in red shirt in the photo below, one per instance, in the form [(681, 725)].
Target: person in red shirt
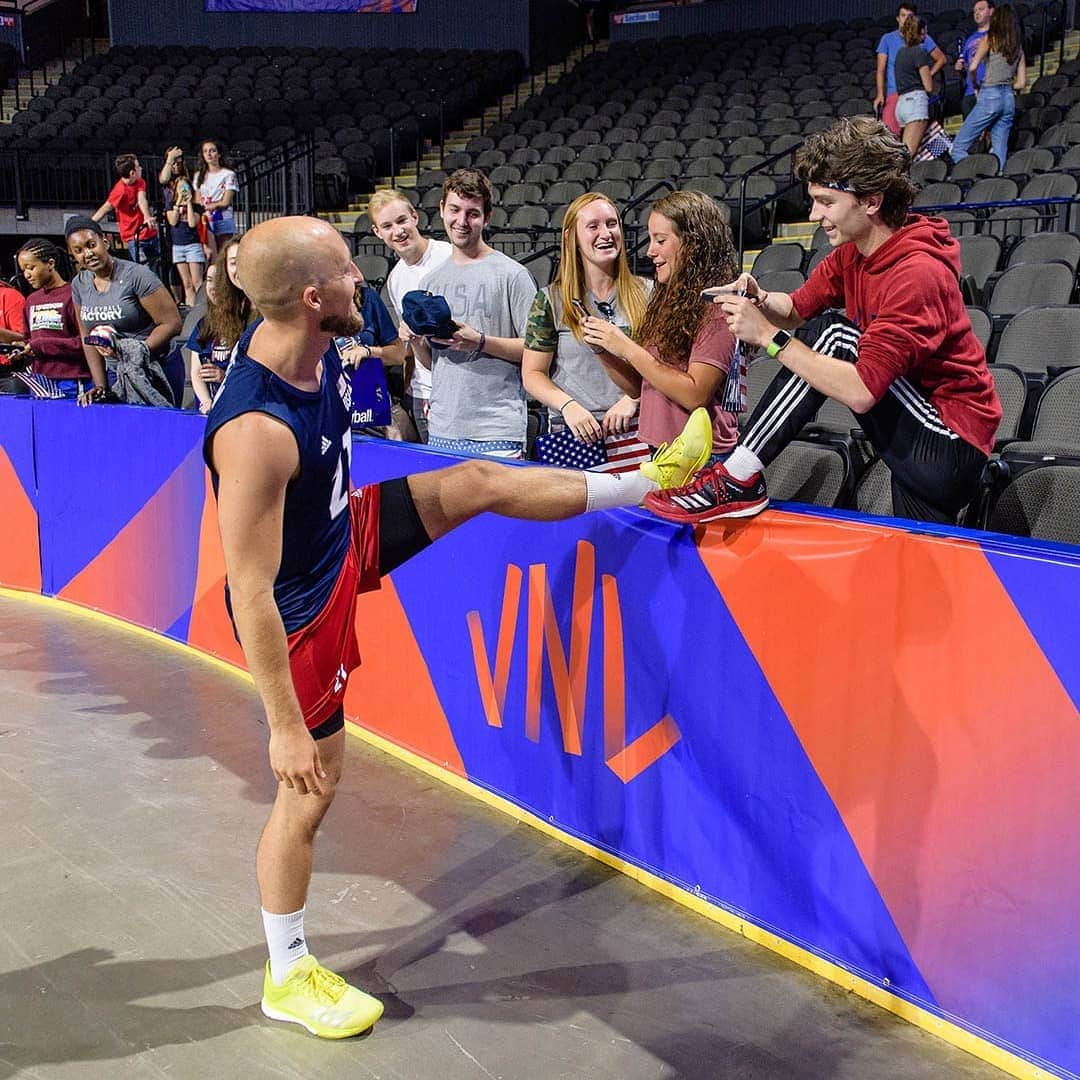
[(59, 367), (12, 339), (12, 320), (905, 360), (129, 202)]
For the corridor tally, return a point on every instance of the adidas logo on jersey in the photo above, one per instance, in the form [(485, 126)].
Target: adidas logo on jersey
[(326, 444)]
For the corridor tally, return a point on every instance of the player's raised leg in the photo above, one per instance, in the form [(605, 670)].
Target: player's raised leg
[(446, 498)]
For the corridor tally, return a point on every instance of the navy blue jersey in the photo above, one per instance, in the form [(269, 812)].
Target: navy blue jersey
[(316, 526), (209, 352)]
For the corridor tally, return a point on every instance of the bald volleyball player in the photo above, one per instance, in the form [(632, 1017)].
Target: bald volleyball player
[(300, 544)]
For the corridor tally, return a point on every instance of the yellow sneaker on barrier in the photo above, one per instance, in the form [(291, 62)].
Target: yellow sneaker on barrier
[(319, 1000), (675, 465)]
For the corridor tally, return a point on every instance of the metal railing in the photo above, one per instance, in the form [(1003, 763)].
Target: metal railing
[(47, 178), (1051, 214), (281, 180), (762, 202), (278, 182)]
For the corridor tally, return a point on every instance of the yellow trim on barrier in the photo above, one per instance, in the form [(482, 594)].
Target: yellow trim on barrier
[(914, 1014), (115, 621), (944, 1029)]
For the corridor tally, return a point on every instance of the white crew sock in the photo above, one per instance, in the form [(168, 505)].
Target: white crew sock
[(285, 938), (603, 491), (743, 463)]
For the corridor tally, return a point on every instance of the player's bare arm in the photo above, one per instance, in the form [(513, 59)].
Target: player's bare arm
[(255, 457)]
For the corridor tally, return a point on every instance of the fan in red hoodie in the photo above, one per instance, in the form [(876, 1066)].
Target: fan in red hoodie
[(59, 366), (905, 360)]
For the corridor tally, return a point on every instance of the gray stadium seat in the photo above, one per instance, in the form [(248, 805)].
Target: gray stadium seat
[(1042, 503), (584, 172), (981, 324), (942, 193), (779, 257), (974, 166), (1030, 284), (979, 258), (785, 281), (1039, 337), (544, 173), (927, 172), (617, 190), (1057, 416), (760, 371), (1048, 247), (991, 189), (561, 193), (521, 194), (529, 217), (1011, 387), (815, 258), (808, 473), (542, 268), (873, 493), (707, 185), (375, 268), (1027, 162)]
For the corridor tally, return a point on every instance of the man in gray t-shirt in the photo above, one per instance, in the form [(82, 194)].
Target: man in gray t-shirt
[(477, 399)]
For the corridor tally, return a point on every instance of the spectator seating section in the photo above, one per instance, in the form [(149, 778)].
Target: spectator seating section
[(144, 98), (718, 113)]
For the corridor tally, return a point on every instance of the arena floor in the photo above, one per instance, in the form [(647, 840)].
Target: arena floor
[(133, 783)]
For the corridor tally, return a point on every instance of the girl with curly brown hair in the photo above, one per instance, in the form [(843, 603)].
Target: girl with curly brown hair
[(679, 357)]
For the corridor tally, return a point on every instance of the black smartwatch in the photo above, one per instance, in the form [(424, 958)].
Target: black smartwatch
[(779, 341)]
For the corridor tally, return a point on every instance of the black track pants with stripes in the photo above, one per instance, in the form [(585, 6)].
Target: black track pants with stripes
[(935, 473)]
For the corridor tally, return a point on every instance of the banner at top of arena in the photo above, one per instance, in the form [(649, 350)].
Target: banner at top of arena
[(346, 7)]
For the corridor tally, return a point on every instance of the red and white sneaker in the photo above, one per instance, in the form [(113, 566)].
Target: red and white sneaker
[(713, 494)]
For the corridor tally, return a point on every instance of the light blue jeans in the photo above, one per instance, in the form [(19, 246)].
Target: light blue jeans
[(994, 109)]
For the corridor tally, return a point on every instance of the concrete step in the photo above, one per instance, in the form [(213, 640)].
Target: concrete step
[(457, 140), (50, 74), (797, 232)]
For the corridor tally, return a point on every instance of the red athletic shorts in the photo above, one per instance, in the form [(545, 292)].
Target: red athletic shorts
[(322, 654)]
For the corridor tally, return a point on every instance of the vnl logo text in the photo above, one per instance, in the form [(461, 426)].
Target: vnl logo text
[(569, 672)]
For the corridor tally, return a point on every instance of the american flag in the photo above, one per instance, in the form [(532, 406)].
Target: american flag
[(625, 452), (616, 454)]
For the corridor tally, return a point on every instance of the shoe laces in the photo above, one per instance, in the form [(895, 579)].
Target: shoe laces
[(322, 984), (698, 483), (661, 450)]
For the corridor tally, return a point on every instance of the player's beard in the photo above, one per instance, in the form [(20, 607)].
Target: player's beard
[(352, 322)]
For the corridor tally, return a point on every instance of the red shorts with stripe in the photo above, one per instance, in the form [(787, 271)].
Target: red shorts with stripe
[(322, 654)]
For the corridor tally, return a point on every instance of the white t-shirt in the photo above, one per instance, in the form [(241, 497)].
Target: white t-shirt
[(212, 189), (404, 278)]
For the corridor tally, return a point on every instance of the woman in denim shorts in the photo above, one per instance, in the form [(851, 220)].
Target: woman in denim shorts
[(183, 219), (913, 85)]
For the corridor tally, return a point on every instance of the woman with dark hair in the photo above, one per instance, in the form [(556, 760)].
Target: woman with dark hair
[(679, 357), (1006, 71), (59, 366), (558, 368), (228, 314), (114, 298), (180, 211), (217, 187)]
